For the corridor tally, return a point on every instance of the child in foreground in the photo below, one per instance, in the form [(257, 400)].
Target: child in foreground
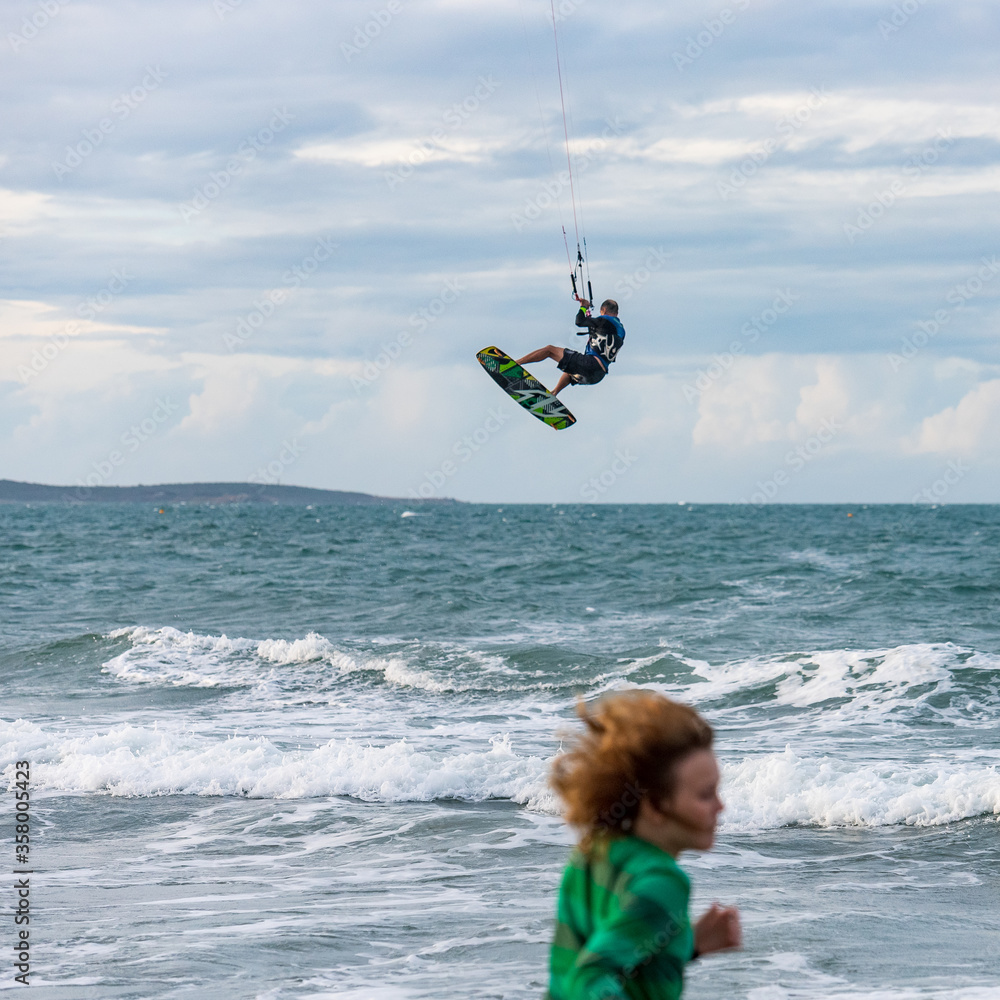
[(641, 784)]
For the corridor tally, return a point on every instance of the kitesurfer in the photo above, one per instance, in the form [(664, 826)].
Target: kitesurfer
[(605, 337)]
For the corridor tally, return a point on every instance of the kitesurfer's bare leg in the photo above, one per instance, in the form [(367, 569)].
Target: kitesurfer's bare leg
[(564, 380), (556, 353)]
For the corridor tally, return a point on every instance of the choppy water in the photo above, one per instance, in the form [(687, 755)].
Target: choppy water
[(284, 752)]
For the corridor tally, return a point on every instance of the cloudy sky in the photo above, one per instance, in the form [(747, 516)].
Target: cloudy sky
[(260, 240)]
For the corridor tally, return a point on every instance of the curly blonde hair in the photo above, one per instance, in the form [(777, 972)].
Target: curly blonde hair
[(629, 749)]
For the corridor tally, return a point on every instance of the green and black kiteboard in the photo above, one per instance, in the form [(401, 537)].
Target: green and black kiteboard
[(525, 388)]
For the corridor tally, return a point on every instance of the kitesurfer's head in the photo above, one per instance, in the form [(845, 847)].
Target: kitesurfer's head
[(631, 763), (610, 307)]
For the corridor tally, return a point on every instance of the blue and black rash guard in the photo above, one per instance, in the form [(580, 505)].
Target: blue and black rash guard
[(606, 336)]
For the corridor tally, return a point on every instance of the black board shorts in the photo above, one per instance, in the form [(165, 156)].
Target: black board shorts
[(583, 369)]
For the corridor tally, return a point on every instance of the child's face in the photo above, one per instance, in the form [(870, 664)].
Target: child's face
[(695, 804)]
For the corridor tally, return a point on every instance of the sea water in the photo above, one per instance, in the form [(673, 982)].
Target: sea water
[(284, 752)]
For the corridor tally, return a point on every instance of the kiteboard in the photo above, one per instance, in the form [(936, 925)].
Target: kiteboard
[(524, 388)]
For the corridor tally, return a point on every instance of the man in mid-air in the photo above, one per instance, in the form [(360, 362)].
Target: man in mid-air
[(606, 336)]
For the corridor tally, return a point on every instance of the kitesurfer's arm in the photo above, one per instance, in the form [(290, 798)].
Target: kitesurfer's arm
[(584, 319)]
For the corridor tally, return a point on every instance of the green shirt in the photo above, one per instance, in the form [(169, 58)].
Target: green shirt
[(622, 928)]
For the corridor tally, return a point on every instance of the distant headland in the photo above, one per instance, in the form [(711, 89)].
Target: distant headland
[(195, 493)]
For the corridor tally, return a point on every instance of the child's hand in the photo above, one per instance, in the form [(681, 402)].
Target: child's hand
[(718, 930)]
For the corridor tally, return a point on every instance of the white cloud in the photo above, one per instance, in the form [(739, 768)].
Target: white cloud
[(752, 403), (829, 398), (237, 391), (28, 320), (415, 151), (775, 398), (969, 428), (19, 208)]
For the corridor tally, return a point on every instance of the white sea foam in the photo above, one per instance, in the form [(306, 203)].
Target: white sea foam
[(312, 649), (823, 560), (398, 673), (852, 686), (140, 761), (168, 657), (822, 991), (817, 702), (793, 976), (762, 792), (775, 790)]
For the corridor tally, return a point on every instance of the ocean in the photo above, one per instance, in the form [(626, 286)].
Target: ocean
[(282, 752)]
